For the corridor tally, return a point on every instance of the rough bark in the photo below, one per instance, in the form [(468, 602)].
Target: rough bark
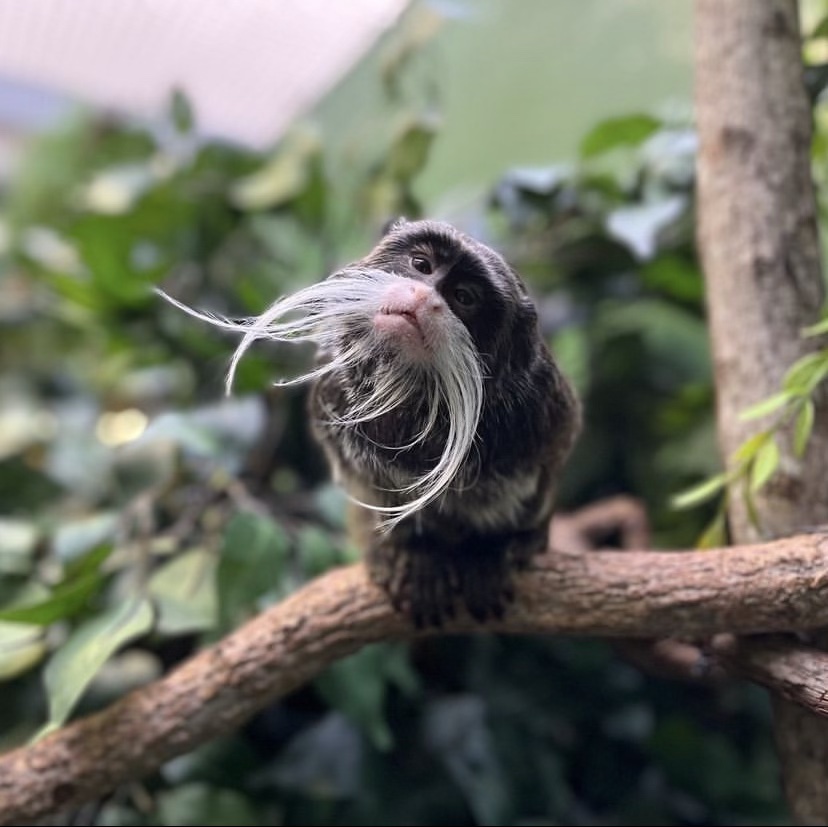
[(758, 238), (794, 671), (777, 586)]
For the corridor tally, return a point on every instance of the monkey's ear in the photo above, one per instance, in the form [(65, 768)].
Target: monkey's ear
[(394, 224)]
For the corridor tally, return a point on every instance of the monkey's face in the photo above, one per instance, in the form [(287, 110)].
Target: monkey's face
[(450, 280), (440, 317)]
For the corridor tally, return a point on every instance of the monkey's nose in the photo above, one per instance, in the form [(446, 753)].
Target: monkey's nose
[(409, 296)]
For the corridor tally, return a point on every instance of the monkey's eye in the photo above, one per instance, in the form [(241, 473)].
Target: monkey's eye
[(422, 265), (465, 297)]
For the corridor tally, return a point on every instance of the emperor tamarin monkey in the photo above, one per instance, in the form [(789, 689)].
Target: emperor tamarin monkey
[(441, 411)]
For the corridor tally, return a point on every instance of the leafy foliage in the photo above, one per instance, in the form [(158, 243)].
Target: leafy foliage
[(143, 517), (791, 410), (142, 514), (609, 243), (789, 413)]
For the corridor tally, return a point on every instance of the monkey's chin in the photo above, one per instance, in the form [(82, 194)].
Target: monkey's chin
[(401, 333)]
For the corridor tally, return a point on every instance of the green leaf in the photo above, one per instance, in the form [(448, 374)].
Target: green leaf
[(747, 450), (571, 347), (640, 226), (75, 664), (82, 580), (750, 504), (181, 112), (675, 337), (281, 179), (766, 406), (806, 373), (700, 493), (631, 130), (251, 563), (74, 540), (674, 276), (409, 152), (819, 374), (65, 600), (21, 647), (106, 246), (410, 38), (184, 593), (18, 544), (816, 329), (803, 426), (764, 464), (316, 551), (89, 562), (821, 28), (206, 804), (358, 686), (114, 192), (715, 535)]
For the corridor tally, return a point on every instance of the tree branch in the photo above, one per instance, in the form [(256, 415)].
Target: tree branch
[(777, 586), (797, 672)]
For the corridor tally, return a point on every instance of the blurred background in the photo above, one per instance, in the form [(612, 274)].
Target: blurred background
[(231, 153)]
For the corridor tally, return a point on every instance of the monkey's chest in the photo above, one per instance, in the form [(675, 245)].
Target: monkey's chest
[(392, 448), (492, 502), (479, 499), (382, 461)]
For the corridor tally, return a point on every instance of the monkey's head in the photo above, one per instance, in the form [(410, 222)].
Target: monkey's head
[(450, 281), (430, 326)]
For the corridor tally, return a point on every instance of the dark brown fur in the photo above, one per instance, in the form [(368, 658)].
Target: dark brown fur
[(495, 516)]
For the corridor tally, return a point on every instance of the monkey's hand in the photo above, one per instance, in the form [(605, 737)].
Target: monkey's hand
[(426, 579)]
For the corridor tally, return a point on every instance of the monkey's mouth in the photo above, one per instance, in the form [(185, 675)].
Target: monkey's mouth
[(389, 319), (402, 325)]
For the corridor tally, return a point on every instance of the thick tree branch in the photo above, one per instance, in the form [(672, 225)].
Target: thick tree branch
[(779, 586)]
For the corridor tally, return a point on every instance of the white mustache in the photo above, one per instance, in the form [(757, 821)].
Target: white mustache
[(337, 316)]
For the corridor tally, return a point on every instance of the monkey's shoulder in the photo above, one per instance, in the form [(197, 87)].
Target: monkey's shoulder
[(530, 417)]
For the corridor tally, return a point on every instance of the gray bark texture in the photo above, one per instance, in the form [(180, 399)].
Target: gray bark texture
[(758, 239)]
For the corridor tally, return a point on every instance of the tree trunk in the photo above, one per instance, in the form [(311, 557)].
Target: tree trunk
[(758, 240)]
